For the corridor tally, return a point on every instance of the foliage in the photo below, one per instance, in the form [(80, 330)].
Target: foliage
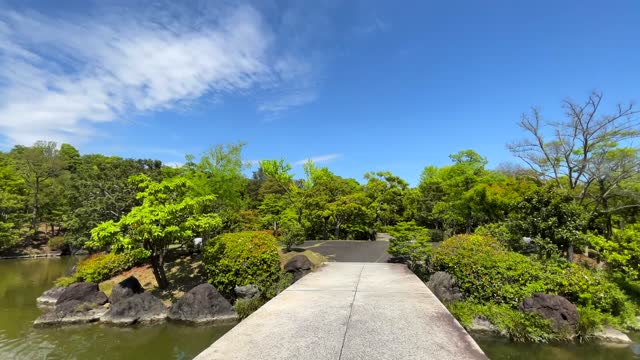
[(167, 216), (243, 258), (622, 252), (56, 243), (246, 307), (99, 267), (292, 234), (518, 326), (489, 273)]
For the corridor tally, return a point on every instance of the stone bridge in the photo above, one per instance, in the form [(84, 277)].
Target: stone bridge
[(349, 311)]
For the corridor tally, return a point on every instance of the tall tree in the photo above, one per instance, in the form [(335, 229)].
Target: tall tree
[(166, 216), (36, 165), (587, 149)]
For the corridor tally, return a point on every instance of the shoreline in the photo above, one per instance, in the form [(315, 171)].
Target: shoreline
[(35, 256)]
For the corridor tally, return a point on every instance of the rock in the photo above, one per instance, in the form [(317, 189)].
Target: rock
[(84, 292), (612, 336), (299, 266), (482, 325), (247, 292), (71, 312), (50, 297), (125, 289), (444, 287), (203, 304), (136, 308), (562, 313), (78, 303)]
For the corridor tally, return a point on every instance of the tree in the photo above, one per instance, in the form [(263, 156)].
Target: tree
[(386, 193), (587, 149), (550, 217), (13, 197), (166, 216), (99, 191), (36, 165)]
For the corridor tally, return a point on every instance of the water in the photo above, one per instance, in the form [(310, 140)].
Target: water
[(502, 349), (22, 281)]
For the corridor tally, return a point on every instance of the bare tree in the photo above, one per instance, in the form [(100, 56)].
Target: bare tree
[(589, 149)]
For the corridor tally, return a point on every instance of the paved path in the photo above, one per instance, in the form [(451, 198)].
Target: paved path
[(349, 311), (350, 250)]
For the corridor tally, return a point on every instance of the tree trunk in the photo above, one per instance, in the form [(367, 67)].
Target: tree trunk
[(34, 215), (325, 230), (337, 231), (157, 263), (570, 253)]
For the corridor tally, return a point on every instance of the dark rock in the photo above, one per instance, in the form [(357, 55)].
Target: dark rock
[(247, 292), (78, 303), (125, 289), (71, 312), (136, 308), (83, 292), (444, 287), (299, 266), (50, 297), (202, 304), (562, 313)]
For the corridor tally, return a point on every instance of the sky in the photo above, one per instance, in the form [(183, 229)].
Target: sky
[(356, 85)]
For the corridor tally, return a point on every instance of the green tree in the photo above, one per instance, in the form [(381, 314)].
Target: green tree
[(166, 216), (13, 202), (386, 193), (36, 165)]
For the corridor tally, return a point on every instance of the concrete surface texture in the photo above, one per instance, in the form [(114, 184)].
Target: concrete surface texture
[(350, 311)]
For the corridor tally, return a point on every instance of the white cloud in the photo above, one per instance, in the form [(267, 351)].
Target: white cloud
[(319, 159), (61, 77)]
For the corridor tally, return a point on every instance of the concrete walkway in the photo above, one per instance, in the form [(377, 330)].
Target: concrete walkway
[(349, 311)]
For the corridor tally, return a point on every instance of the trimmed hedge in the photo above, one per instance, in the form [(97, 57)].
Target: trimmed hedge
[(242, 258)]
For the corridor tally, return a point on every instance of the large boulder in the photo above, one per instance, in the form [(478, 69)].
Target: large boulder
[(50, 297), (203, 304), (84, 292), (444, 287), (247, 292), (298, 266), (562, 314), (125, 289), (136, 308), (77, 303), (71, 312), (610, 335)]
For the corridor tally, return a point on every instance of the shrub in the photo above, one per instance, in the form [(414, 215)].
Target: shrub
[(242, 258), (99, 267), (488, 273), (292, 234), (245, 307), (518, 326), (56, 243), (410, 244)]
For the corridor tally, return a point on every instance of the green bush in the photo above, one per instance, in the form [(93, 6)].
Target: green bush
[(99, 267), (292, 234), (488, 273), (245, 307), (518, 326), (242, 258), (56, 243)]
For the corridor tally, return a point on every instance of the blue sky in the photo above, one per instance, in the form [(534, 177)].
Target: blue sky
[(357, 85)]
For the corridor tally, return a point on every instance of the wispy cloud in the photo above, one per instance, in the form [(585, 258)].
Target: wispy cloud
[(59, 77), (319, 159)]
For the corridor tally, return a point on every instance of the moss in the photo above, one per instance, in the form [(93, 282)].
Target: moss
[(245, 307)]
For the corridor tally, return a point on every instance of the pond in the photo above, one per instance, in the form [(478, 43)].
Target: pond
[(22, 281)]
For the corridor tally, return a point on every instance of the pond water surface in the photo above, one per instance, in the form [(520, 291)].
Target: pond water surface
[(22, 281)]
